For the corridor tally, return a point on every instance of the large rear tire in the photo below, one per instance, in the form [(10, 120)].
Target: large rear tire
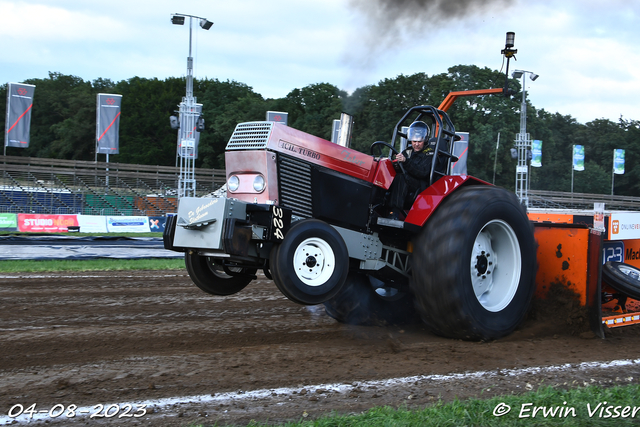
[(311, 264), (360, 303), (623, 278), (474, 265), (210, 276)]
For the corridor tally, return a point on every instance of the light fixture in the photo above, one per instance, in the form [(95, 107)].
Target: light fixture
[(174, 122), (233, 183), (511, 37), (259, 183), (508, 52), (177, 20), (517, 74), (205, 24), (200, 123), (534, 76)]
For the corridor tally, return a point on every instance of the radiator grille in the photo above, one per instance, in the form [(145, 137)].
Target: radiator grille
[(295, 186), (250, 136)]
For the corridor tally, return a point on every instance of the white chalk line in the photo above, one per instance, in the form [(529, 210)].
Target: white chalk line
[(227, 397)]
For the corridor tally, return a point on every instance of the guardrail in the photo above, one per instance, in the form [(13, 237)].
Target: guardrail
[(44, 186), (562, 200)]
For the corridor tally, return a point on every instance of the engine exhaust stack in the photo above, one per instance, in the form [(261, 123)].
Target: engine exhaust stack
[(344, 135)]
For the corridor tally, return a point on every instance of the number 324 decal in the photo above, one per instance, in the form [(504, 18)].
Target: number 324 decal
[(278, 222)]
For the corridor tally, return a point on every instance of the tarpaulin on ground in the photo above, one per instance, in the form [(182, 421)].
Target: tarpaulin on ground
[(63, 247)]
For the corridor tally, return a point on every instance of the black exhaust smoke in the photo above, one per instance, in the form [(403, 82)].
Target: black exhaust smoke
[(391, 22)]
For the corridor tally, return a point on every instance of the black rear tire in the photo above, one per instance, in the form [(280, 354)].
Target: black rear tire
[(474, 265), (622, 277), (360, 304), (209, 275)]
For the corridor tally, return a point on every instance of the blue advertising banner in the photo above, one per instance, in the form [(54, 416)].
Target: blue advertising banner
[(578, 157), (128, 224), (618, 162), (536, 153), (156, 223)]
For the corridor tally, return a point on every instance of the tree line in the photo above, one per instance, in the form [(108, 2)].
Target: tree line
[(64, 118)]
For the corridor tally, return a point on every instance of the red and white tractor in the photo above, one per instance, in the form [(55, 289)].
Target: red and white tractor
[(314, 217)]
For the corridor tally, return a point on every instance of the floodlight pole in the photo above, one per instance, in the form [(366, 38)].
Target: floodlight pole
[(495, 160), (188, 117)]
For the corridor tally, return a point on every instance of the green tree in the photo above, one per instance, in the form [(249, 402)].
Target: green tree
[(484, 117), (63, 110), (378, 108), (628, 184), (63, 123), (63, 117), (313, 108), (558, 134), (145, 134), (225, 104)]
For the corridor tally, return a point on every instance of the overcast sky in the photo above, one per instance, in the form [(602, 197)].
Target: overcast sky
[(586, 52)]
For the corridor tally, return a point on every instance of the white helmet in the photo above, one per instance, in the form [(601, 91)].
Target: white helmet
[(418, 131)]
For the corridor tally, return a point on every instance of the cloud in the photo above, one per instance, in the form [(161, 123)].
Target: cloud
[(24, 22), (584, 50)]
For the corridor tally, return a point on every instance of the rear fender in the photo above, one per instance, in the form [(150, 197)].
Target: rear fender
[(428, 201)]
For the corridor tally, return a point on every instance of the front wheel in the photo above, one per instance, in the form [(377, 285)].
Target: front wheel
[(210, 276), (311, 264), (474, 265)]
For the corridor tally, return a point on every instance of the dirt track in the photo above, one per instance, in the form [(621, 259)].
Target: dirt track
[(104, 338)]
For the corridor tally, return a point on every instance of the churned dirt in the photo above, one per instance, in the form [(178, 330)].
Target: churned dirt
[(101, 338)]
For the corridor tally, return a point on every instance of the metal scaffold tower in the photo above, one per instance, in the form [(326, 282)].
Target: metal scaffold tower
[(190, 121), (523, 143)]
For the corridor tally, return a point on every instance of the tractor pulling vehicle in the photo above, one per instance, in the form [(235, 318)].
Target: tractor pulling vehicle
[(314, 217)]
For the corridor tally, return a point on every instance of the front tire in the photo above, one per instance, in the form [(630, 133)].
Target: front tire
[(209, 275), (311, 263), (474, 265)]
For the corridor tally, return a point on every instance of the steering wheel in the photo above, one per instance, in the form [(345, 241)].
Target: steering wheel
[(379, 144)]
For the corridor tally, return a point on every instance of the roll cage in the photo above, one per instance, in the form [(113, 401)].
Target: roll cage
[(443, 136)]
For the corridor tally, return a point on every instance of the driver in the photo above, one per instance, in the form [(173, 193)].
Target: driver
[(416, 160)]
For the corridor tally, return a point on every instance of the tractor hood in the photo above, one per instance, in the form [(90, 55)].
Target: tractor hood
[(295, 143)]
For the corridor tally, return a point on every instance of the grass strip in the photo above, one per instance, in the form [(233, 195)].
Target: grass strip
[(100, 264), (548, 406)]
